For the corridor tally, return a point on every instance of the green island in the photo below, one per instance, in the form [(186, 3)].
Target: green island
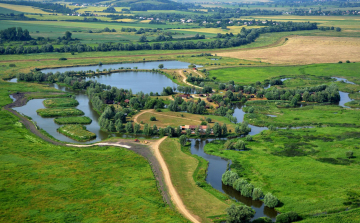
[(196, 111), (56, 112), (60, 102), (73, 120), (77, 132)]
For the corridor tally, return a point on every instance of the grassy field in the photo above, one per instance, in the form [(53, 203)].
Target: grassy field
[(353, 104), (248, 75), (56, 112), (41, 182), (23, 8), (182, 166), (60, 102), (304, 168), (309, 115), (73, 120), (175, 119), (77, 132)]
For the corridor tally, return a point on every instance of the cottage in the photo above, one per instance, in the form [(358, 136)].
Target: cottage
[(127, 101)]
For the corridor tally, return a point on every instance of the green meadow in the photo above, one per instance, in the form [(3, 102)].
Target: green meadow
[(73, 120), (77, 132), (56, 112), (305, 168), (60, 102)]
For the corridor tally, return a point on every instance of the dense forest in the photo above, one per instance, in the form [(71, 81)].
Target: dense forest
[(13, 34)]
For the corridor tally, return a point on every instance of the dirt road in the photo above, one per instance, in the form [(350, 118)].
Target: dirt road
[(171, 189)]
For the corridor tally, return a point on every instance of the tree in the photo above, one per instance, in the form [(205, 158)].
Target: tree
[(208, 120), (68, 35), (242, 214), (197, 131), (287, 217), (129, 127), (208, 130), (147, 130), (229, 178), (188, 132), (224, 129), (217, 130), (270, 200), (152, 118), (349, 154), (247, 190), (338, 29), (239, 184), (161, 66), (136, 128), (183, 140), (249, 138), (257, 194), (155, 129), (240, 145), (143, 38)]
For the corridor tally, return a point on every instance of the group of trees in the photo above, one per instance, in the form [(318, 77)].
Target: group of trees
[(321, 93), (244, 37), (246, 189), (13, 34)]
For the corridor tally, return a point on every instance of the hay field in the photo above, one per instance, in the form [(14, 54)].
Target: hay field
[(305, 50), (23, 8), (233, 29)]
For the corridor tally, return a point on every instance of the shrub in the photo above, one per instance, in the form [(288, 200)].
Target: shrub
[(249, 138), (257, 194), (62, 58), (158, 110), (348, 61), (239, 184), (251, 110), (247, 190), (152, 118), (229, 177), (183, 140), (239, 214), (288, 217), (240, 145), (262, 220), (340, 61), (349, 154), (12, 65), (203, 123), (270, 200), (208, 120)]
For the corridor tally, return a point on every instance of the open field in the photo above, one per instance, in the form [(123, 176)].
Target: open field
[(249, 75), (56, 112), (316, 49), (182, 167), (175, 119), (77, 132), (310, 115), (60, 102), (73, 120), (315, 161), (23, 8)]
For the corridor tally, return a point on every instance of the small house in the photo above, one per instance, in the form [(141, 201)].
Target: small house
[(127, 101)]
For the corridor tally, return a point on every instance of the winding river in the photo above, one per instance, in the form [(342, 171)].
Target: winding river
[(139, 81)]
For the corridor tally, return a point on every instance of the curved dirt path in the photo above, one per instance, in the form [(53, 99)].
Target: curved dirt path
[(184, 80), (171, 189), (137, 115)]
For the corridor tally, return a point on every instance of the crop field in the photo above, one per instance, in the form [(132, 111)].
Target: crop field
[(60, 102), (317, 49), (23, 8), (73, 120), (306, 153), (56, 112), (77, 132)]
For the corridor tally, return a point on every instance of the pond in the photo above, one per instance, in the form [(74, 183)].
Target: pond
[(172, 64), (282, 79)]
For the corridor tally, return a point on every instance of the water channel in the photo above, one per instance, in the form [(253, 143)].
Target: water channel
[(139, 81)]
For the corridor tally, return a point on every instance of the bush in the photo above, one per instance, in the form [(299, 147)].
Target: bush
[(183, 140), (247, 190), (203, 123), (12, 65), (240, 145), (229, 177), (349, 154), (62, 58), (270, 200), (288, 217), (248, 138), (239, 214), (257, 194), (239, 184), (158, 110), (152, 118), (262, 220), (348, 61), (340, 61)]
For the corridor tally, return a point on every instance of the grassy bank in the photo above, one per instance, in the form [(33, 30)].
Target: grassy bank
[(73, 120), (304, 168), (60, 102), (77, 132), (56, 112), (182, 166)]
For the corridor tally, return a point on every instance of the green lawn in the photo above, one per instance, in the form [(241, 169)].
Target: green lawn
[(60, 102), (73, 120), (307, 169), (77, 132), (56, 112)]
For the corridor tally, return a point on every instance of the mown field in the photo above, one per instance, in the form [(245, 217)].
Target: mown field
[(305, 168)]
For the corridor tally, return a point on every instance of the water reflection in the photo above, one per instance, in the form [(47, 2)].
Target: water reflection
[(141, 65)]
